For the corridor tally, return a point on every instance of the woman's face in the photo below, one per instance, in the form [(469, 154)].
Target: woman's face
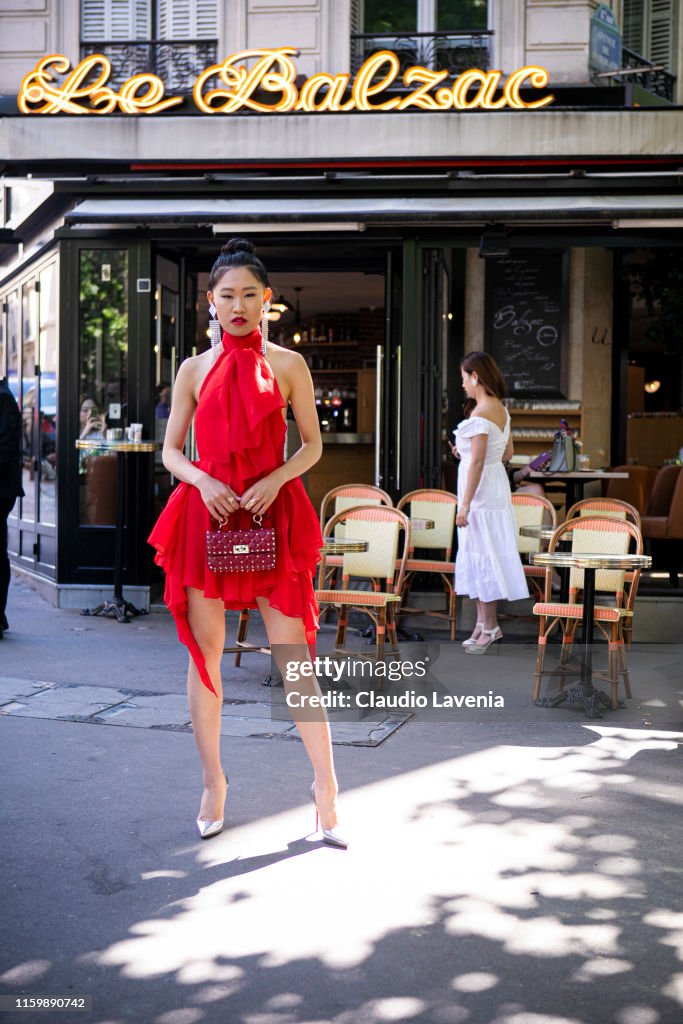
[(468, 383), (239, 298), (87, 409)]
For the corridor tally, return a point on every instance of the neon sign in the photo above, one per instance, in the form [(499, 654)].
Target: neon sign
[(84, 90)]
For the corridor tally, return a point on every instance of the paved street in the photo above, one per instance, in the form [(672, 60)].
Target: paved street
[(517, 866)]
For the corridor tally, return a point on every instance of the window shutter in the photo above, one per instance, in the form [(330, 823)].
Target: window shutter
[(206, 19), (356, 17), (187, 19), (632, 33), (661, 32), (109, 20), (93, 21)]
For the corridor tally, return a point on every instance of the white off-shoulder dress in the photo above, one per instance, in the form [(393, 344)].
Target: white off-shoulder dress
[(487, 565)]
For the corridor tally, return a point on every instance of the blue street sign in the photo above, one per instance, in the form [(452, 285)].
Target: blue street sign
[(605, 41)]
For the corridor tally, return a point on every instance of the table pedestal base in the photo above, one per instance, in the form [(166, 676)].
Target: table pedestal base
[(588, 700), (119, 608)]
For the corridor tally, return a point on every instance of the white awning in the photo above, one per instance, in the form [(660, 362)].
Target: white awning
[(338, 213)]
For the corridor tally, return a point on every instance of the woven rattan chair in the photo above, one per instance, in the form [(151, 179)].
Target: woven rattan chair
[(605, 507), (592, 534), (619, 510), (338, 500), (438, 506), (380, 528), (532, 510)]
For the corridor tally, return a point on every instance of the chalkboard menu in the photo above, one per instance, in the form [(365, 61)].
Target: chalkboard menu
[(526, 321)]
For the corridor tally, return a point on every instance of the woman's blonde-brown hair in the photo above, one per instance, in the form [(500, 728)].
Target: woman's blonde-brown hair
[(488, 374)]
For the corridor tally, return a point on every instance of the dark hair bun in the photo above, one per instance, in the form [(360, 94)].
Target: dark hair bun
[(238, 245)]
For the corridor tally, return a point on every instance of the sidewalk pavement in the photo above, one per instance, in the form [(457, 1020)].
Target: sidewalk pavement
[(515, 865)]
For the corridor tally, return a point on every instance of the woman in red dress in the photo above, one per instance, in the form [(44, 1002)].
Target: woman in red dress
[(238, 395)]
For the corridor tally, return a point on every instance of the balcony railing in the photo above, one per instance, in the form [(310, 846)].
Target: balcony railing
[(653, 77), (177, 62), (444, 51)]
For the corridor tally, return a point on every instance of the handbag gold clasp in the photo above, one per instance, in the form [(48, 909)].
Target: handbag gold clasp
[(240, 549)]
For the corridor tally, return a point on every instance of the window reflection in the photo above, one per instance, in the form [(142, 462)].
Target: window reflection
[(103, 360), (47, 413), (29, 396)]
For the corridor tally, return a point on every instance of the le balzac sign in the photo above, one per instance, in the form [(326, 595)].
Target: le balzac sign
[(53, 87)]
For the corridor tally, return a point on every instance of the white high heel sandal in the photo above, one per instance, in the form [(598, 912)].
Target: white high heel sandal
[(492, 634), (473, 639)]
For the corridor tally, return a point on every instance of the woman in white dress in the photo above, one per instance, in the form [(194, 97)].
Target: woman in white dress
[(487, 567)]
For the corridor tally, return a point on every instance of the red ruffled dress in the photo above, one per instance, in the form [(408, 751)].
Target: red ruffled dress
[(240, 432)]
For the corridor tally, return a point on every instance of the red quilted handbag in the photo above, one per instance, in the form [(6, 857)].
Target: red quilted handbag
[(241, 550)]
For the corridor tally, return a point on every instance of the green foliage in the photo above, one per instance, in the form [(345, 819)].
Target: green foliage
[(103, 320)]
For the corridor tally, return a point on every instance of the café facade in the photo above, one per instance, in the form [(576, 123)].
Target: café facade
[(406, 217)]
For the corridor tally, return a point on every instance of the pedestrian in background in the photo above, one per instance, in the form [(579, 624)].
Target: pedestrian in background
[(10, 484), (487, 566)]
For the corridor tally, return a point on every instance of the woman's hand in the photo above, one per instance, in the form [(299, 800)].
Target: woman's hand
[(220, 499), (258, 498), (93, 425), (456, 453), (461, 515)]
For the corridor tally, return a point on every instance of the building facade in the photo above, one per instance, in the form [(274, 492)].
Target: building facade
[(406, 217)]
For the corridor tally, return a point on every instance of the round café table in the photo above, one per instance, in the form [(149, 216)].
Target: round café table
[(584, 693), (119, 607)]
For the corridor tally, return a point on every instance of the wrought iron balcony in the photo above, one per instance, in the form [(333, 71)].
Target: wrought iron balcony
[(177, 62), (446, 51), (653, 77)]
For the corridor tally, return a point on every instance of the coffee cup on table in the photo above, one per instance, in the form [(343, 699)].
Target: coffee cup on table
[(583, 462)]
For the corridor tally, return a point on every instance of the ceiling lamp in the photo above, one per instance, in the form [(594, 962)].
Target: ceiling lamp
[(652, 386), (281, 305)]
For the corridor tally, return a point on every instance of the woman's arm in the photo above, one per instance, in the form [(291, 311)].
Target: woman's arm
[(215, 494), (262, 494), (478, 457)]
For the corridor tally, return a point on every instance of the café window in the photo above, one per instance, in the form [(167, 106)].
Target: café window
[(174, 39), (449, 34)]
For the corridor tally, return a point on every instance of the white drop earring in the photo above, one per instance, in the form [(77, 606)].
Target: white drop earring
[(215, 329), (264, 329)]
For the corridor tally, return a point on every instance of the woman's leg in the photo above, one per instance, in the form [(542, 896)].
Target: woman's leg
[(206, 618), (488, 610), (287, 639)]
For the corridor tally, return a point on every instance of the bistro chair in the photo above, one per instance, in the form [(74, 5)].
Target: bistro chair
[(338, 500), (619, 510), (605, 507), (532, 510), (635, 490), (607, 536), (380, 528), (438, 506)]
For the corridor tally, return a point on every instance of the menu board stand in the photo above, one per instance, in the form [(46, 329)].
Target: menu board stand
[(526, 322)]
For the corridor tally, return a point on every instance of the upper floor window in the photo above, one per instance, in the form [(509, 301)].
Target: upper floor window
[(175, 39), (449, 34), (648, 39), (648, 29), (424, 15)]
